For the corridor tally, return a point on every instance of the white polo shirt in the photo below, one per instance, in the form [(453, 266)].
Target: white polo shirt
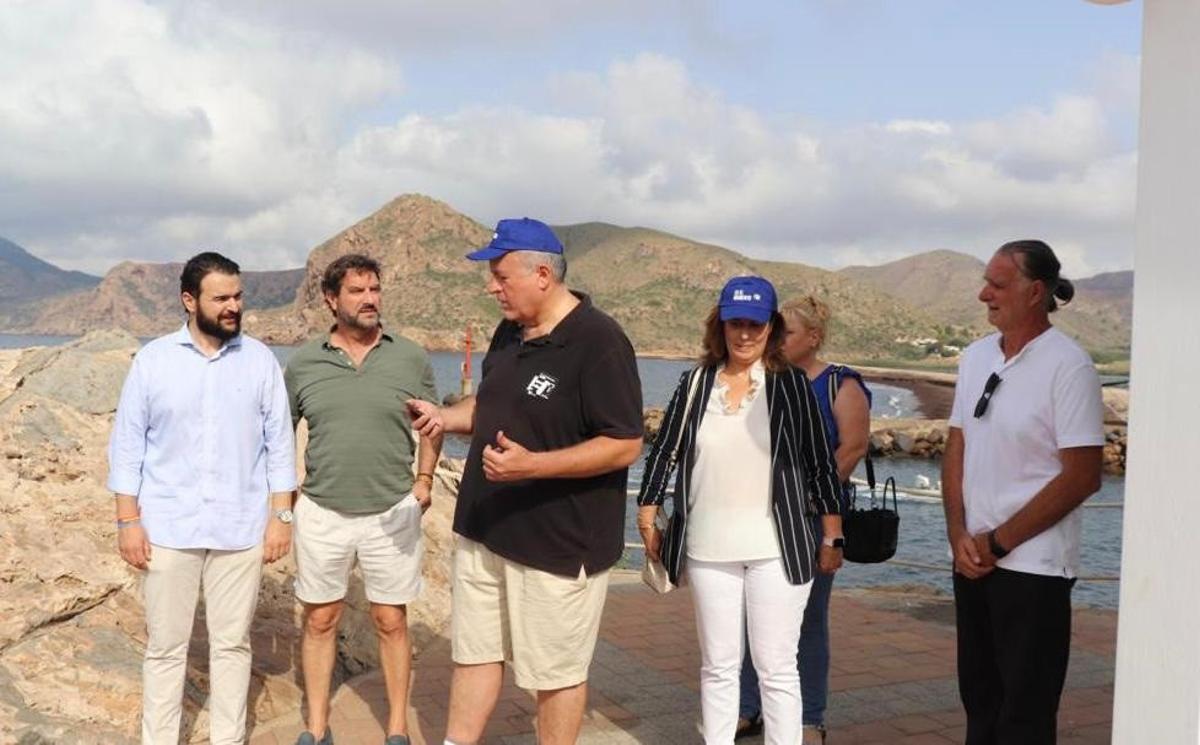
[(1049, 399)]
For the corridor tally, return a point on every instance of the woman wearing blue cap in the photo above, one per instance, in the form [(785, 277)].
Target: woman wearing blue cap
[(754, 463), (845, 404)]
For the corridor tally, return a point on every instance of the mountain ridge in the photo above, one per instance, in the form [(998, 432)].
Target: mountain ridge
[(24, 276), (659, 286)]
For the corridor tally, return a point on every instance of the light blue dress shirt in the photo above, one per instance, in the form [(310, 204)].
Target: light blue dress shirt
[(203, 441)]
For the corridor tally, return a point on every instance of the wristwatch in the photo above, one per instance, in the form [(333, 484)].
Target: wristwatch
[(838, 542), (994, 546), (284, 516)]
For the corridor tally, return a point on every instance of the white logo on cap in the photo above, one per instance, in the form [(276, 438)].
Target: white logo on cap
[(542, 385), (495, 236), (741, 296)]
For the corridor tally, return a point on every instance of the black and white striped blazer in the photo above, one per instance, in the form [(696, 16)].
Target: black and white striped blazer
[(803, 472)]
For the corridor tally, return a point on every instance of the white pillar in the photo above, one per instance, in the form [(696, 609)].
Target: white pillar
[(1157, 697)]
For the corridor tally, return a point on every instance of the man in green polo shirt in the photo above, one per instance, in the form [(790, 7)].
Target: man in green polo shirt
[(359, 500)]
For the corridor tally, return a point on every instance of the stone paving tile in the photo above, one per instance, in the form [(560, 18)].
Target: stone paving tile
[(893, 679)]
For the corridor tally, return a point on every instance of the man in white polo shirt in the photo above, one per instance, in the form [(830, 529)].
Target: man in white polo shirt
[(1024, 451)]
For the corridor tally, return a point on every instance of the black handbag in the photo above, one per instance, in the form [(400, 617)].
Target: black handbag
[(872, 533)]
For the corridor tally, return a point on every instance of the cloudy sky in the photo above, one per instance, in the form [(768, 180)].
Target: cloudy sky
[(831, 132)]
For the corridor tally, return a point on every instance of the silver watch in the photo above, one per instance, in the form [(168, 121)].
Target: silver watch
[(285, 516)]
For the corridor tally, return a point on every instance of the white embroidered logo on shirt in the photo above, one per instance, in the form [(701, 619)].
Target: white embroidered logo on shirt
[(541, 385)]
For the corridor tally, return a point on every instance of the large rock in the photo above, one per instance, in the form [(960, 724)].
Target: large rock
[(652, 419), (85, 374), (1116, 405), (905, 440), (72, 630)]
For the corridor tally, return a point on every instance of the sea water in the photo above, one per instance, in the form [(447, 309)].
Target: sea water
[(922, 526)]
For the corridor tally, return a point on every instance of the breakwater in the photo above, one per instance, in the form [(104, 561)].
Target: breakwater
[(924, 436)]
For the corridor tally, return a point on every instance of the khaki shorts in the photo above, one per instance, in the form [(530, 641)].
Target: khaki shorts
[(386, 544), (544, 624)]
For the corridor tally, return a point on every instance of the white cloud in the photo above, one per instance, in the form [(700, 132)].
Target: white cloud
[(120, 119), (166, 128), (648, 146), (917, 126), (1072, 134)]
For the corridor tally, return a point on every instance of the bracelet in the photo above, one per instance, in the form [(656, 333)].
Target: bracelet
[(127, 522), (425, 476)]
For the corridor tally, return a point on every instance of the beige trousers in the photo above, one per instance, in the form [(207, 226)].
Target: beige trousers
[(230, 580)]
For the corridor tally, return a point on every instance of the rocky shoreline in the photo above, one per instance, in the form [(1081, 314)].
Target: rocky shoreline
[(72, 630)]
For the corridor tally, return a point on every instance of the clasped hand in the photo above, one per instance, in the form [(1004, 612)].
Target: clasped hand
[(973, 556)]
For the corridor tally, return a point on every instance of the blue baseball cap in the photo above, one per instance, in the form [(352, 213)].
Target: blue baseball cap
[(524, 234), (752, 298)]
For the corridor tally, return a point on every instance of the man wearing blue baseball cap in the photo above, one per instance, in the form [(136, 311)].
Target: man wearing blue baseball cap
[(519, 234), (541, 510)]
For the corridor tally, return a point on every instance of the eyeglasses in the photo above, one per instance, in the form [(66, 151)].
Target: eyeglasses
[(993, 382)]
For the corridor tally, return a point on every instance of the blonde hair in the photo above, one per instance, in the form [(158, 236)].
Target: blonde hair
[(811, 312)]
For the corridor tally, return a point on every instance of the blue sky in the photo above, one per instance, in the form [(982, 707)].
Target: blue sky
[(829, 132), (845, 61)]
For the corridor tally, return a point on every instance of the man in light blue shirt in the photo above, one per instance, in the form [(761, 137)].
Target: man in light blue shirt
[(202, 462)]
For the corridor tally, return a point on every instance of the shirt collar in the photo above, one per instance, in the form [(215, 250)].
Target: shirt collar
[(757, 372), (1035, 341), (561, 334), (184, 337), (327, 342), (758, 376)]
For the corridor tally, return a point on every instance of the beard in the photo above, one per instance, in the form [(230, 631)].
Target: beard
[(358, 319), (212, 326)]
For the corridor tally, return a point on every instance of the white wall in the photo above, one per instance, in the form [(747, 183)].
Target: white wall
[(1158, 641)]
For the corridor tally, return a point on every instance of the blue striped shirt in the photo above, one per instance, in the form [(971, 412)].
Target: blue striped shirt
[(203, 441)]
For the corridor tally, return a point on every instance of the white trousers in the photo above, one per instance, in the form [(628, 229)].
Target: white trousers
[(230, 580), (724, 593)]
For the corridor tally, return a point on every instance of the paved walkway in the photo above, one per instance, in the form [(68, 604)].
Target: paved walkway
[(892, 679)]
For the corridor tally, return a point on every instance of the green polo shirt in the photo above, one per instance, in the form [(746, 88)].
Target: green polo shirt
[(360, 440)]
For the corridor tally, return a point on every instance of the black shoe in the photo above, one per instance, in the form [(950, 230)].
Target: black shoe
[(308, 738), (748, 727)]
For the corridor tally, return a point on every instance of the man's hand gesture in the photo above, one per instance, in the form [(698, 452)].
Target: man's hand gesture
[(426, 417), (508, 460)]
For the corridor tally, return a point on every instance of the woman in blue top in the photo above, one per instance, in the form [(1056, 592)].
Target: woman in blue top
[(847, 421)]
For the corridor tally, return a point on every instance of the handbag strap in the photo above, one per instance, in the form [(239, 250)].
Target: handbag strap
[(693, 381), (891, 481), (833, 383)]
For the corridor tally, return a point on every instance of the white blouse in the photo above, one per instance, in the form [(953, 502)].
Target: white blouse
[(729, 507)]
